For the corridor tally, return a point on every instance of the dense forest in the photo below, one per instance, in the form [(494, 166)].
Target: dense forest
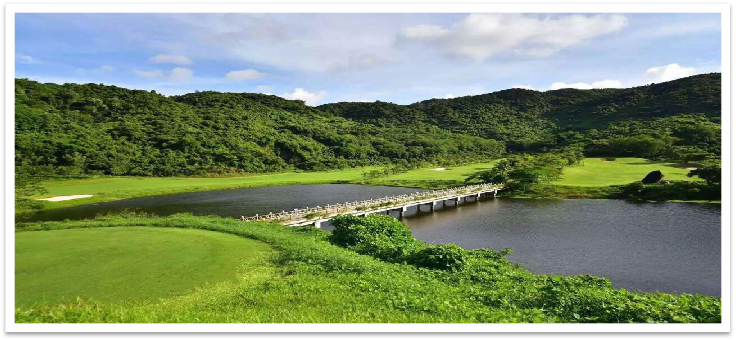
[(98, 129)]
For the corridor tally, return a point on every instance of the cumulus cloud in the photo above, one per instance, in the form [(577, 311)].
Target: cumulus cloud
[(310, 98), (181, 74), (248, 74), (479, 36), (170, 59), (156, 74), (602, 84), (668, 72)]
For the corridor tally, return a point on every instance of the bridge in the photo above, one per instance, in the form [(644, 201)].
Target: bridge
[(402, 203)]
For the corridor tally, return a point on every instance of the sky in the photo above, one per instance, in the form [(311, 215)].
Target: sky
[(400, 58)]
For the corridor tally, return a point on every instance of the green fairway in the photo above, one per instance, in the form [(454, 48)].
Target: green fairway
[(106, 189), (107, 185), (599, 172), (435, 177), (134, 263), (450, 173)]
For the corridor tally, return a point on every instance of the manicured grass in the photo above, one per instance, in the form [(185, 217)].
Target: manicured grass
[(430, 178), (106, 189), (126, 264), (597, 172), (451, 173), (311, 280)]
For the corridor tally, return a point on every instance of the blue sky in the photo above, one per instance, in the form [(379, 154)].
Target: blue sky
[(401, 58)]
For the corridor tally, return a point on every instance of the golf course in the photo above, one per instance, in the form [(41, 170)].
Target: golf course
[(116, 264), (593, 172)]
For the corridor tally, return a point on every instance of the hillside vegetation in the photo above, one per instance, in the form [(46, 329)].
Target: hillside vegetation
[(98, 129)]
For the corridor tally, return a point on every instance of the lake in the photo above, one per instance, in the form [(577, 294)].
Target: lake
[(667, 247)]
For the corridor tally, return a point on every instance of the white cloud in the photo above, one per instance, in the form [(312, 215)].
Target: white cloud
[(525, 87), (310, 98), (98, 70), (305, 42), (181, 74), (602, 84), (447, 96), (26, 59), (170, 59), (424, 32), (157, 74), (668, 72), (248, 74), (479, 36), (178, 74)]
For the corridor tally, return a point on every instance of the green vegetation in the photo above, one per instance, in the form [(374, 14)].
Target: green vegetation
[(518, 172), (74, 130), (564, 174), (108, 188), (596, 172), (433, 177), (95, 129), (126, 264), (397, 279)]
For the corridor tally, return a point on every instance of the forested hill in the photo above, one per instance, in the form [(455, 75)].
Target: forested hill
[(527, 116), (95, 128), (68, 129)]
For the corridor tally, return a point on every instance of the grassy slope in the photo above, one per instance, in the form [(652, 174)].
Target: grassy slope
[(430, 178), (115, 264), (598, 173), (313, 281)]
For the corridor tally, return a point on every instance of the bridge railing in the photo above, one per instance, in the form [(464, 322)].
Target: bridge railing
[(373, 203)]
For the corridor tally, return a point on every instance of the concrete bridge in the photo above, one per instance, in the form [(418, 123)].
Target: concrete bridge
[(317, 216)]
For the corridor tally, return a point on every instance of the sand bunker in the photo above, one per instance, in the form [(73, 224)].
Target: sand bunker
[(439, 169), (63, 198)]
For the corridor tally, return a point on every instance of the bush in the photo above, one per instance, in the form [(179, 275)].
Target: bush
[(380, 236), (443, 256)]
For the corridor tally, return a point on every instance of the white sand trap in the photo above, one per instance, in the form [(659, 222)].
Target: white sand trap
[(692, 168), (439, 169), (63, 198)]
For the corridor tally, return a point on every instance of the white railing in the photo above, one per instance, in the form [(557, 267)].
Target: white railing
[(370, 204)]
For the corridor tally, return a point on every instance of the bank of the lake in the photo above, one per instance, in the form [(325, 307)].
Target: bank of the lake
[(671, 230), (312, 280), (594, 178)]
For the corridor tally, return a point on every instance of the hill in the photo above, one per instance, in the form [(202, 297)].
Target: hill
[(74, 128), (94, 128)]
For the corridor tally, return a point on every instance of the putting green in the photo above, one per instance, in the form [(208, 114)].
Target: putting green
[(126, 263), (596, 172)]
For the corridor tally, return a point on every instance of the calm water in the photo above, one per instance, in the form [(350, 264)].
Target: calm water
[(667, 247), (229, 203)]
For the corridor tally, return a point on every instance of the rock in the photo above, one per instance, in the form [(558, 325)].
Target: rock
[(653, 177)]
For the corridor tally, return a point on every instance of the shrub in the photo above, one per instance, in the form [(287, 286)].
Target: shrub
[(443, 256), (380, 236)]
